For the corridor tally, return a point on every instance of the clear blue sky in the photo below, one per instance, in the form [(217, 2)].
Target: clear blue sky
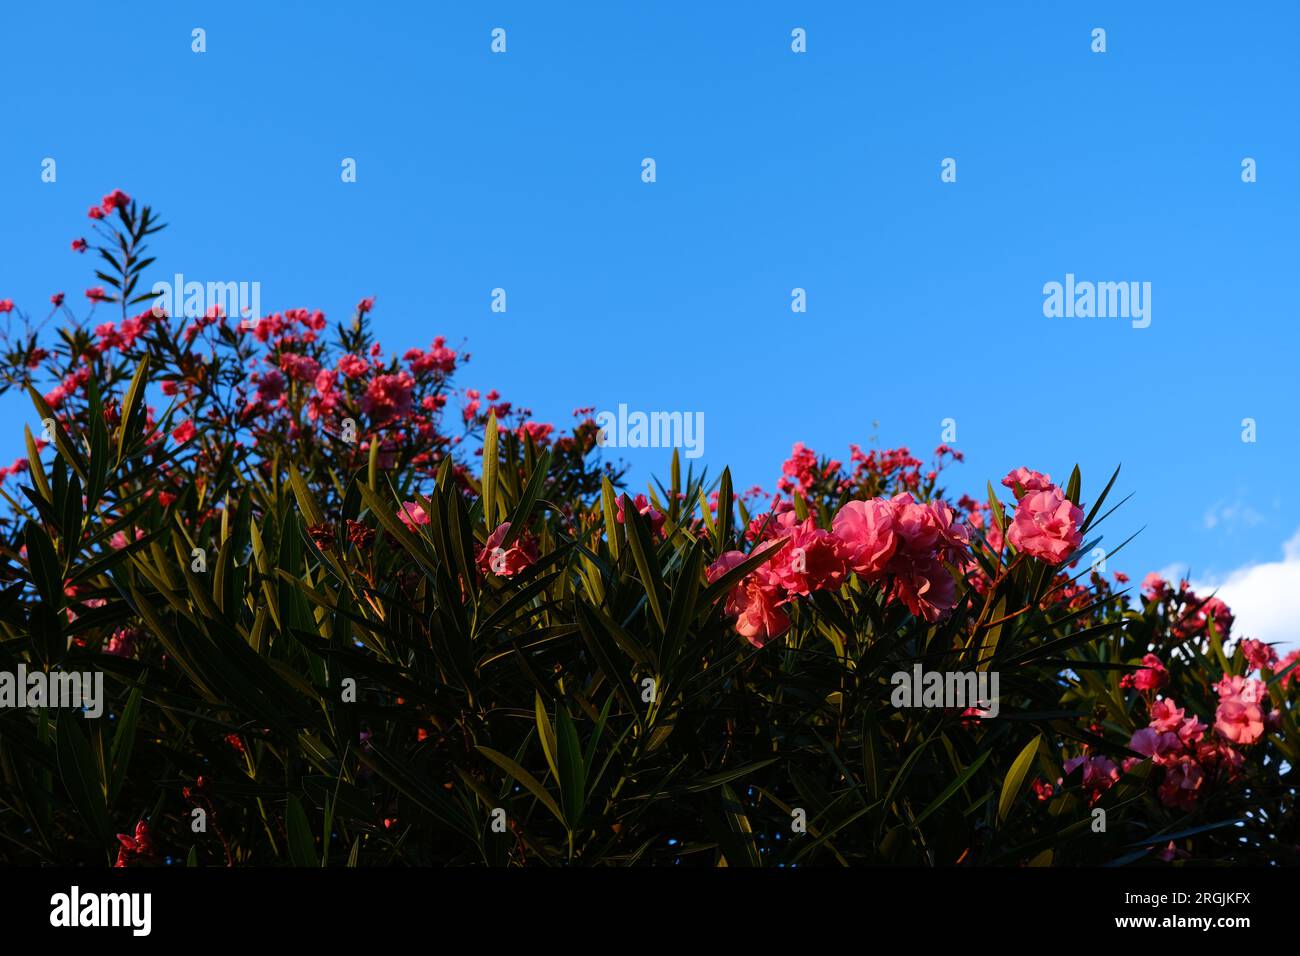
[(775, 170)]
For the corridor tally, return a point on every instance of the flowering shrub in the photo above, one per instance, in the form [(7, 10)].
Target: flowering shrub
[(349, 613)]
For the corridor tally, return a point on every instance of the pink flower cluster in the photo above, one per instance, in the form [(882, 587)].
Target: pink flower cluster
[(1190, 760), (492, 558), (646, 510), (135, 848), (1046, 523), (110, 202), (1099, 774), (1152, 678), (1239, 716), (898, 539), (1192, 614)]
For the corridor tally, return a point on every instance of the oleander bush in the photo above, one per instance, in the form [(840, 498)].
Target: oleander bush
[(352, 614)]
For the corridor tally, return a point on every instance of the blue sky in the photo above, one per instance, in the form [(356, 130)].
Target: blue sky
[(775, 170)]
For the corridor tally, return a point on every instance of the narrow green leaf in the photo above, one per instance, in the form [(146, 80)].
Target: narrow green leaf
[(302, 846), (489, 479), (526, 779), (131, 407), (1016, 776), (546, 732), (77, 768)]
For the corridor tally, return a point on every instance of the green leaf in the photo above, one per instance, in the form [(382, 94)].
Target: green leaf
[(1016, 776), (546, 733), (131, 406), (726, 776), (724, 509), (609, 506), (519, 518), (489, 479), (638, 540), (36, 469), (526, 779), (302, 846), (44, 565), (743, 843), (124, 741), (79, 772), (952, 788), (306, 500), (573, 772)]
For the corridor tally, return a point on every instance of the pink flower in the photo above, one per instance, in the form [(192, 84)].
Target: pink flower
[(1027, 480), (1099, 774), (271, 387), (137, 847), (811, 561), (1182, 781), (928, 530), (645, 510), (1171, 852), (993, 537), (1217, 755), (1166, 715), (79, 245), (918, 528), (412, 515), (755, 602), (1191, 730), (1258, 654), (6, 305), (353, 366), (1154, 586), (185, 431), (124, 642), (907, 541), (1284, 663), (761, 619), (1151, 678), (1239, 717), (777, 524), (388, 396), (115, 199), (437, 359), (1046, 526), (726, 562), (926, 587), (1215, 608), (506, 562), (954, 536), (800, 471), (1156, 744), (326, 380), (119, 539), (866, 529), (96, 294), (301, 367)]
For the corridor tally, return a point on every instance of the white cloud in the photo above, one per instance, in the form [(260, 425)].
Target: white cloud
[(1232, 515), (1265, 598)]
